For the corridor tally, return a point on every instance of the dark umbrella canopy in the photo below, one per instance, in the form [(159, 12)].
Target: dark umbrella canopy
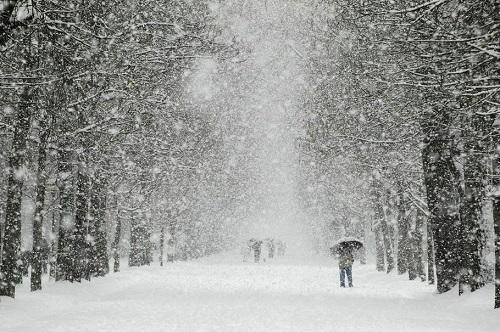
[(347, 243)]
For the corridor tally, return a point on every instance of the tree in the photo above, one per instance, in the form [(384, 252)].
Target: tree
[(476, 157), (11, 241), (404, 240), (441, 182), (496, 213), (38, 243), (381, 215)]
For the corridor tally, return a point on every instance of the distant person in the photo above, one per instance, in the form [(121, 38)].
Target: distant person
[(346, 259), (256, 246), (246, 251), (264, 250), (271, 248), (170, 250)]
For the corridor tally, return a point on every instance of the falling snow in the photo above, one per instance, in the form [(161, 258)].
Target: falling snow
[(225, 165)]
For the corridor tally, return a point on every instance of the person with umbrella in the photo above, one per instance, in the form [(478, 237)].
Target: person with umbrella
[(256, 247), (344, 250)]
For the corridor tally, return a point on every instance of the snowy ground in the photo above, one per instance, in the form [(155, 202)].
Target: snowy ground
[(223, 294)]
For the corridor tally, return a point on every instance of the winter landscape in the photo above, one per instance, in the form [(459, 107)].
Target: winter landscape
[(250, 165)]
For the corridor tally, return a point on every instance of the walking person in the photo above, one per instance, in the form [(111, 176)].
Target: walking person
[(346, 259), (170, 250), (256, 246), (264, 251), (343, 250), (271, 248)]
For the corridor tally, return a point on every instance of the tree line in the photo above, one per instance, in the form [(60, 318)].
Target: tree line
[(401, 129), (96, 131), (406, 99)]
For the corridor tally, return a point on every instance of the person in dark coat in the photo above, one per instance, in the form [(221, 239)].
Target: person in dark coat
[(346, 259), (256, 246), (271, 248)]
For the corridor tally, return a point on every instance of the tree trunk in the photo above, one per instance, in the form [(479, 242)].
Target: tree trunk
[(362, 254), (80, 254), (387, 235), (496, 217), (66, 222), (162, 240), (10, 273), (381, 217), (379, 245), (97, 244), (139, 242), (53, 249), (6, 24), (99, 208), (496, 211), (418, 251), (116, 242), (430, 254), (471, 209), (411, 255), (403, 230), (134, 254), (148, 252), (441, 182), (36, 263), (92, 228)]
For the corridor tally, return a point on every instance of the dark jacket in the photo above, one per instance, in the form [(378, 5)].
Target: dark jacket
[(345, 257)]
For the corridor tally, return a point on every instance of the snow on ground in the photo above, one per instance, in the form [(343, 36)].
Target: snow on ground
[(223, 294)]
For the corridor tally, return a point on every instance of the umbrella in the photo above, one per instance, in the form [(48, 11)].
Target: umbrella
[(347, 242)]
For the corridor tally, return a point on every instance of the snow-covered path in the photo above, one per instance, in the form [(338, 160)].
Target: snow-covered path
[(221, 294)]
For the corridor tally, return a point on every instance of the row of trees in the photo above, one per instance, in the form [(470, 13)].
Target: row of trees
[(400, 129), (408, 93), (97, 132)]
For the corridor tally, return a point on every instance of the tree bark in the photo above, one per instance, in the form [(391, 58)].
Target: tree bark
[(362, 251), (36, 264), (417, 239), (5, 22), (473, 196), (496, 210), (403, 229), (411, 262), (80, 254), (10, 273), (97, 244), (441, 182), (387, 235), (162, 240), (430, 255), (496, 218), (381, 217), (134, 254), (99, 211), (379, 245), (148, 252), (116, 242), (66, 219), (53, 249), (139, 242)]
